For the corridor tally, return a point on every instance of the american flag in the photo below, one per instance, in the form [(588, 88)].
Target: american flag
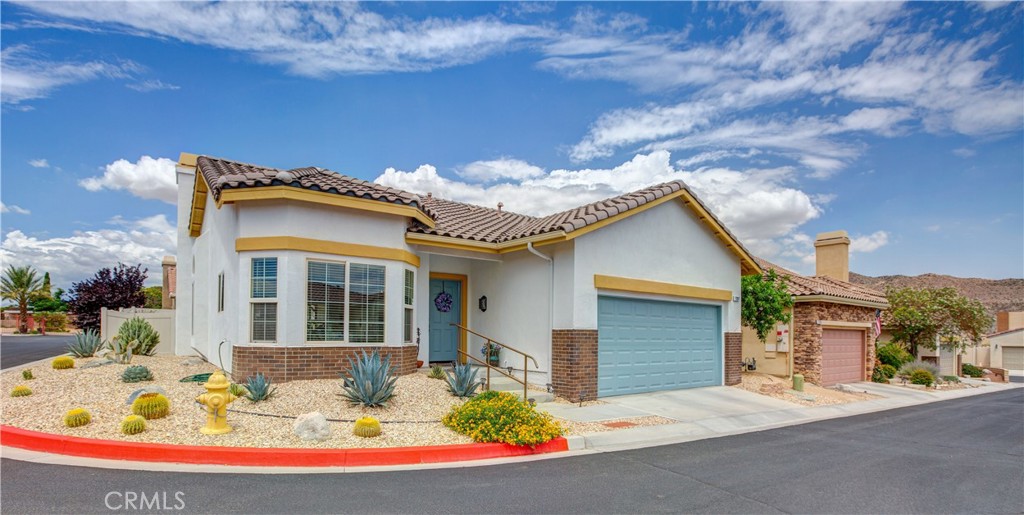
[(878, 322)]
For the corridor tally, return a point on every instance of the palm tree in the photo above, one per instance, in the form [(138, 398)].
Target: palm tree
[(22, 286)]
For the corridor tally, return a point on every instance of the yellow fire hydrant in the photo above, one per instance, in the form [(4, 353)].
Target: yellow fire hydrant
[(216, 400)]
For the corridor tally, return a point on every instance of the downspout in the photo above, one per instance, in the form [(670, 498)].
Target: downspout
[(551, 302)]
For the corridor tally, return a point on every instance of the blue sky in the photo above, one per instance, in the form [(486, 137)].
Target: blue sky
[(900, 123)]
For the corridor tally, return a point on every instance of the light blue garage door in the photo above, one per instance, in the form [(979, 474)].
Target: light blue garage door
[(647, 345)]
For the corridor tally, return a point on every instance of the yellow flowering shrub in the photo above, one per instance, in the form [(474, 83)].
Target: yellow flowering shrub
[(502, 417)]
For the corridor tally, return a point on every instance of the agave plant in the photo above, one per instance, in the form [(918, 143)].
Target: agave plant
[(462, 380), (259, 387), (86, 344), (371, 380), (141, 336)]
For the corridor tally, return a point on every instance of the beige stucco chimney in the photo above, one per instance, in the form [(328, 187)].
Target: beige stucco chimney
[(169, 267), (832, 255)]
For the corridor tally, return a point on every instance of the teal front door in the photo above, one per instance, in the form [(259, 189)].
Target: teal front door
[(444, 338)]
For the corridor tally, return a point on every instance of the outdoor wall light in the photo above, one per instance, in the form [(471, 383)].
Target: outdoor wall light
[(482, 303)]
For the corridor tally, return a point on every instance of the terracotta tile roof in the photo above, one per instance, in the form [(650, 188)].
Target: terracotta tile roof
[(1008, 331), (471, 222), (221, 174), (803, 286)]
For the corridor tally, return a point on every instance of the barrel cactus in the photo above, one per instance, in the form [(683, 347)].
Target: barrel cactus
[(77, 417), (367, 427), (27, 374), (21, 391), (151, 406), (63, 362), (133, 425), (136, 373)]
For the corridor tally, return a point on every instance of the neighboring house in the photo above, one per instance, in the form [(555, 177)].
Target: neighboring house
[(1004, 348), (291, 272), (831, 338)]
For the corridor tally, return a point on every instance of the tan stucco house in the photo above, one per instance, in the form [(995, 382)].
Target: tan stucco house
[(831, 338), (291, 272)]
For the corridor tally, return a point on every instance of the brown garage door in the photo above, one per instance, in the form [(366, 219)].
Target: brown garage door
[(842, 356)]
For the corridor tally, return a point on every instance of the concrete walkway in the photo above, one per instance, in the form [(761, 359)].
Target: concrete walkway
[(724, 410)]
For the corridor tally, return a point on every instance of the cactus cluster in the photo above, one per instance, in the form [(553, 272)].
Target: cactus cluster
[(27, 374), (77, 417), (151, 406), (63, 362), (133, 425), (367, 427), (21, 391), (136, 373), (138, 335)]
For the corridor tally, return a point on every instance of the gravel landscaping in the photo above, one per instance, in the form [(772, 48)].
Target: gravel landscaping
[(777, 387), (412, 417)]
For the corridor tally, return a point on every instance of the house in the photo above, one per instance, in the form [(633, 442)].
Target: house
[(291, 272), (831, 338), (1004, 348)]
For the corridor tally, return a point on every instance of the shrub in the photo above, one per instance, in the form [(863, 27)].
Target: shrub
[(133, 425), (238, 390), (877, 376), (951, 379), (371, 380), (501, 417), (888, 371), (139, 334), (136, 373), (21, 391), (462, 380), (436, 372), (893, 355), (56, 322), (922, 376), (908, 369), (970, 370), (63, 362), (367, 427), (27, 374), (77, 417), (86, 344), (151, 406), (259, 387)]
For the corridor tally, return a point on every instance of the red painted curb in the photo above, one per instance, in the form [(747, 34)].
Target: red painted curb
[(264, 457)]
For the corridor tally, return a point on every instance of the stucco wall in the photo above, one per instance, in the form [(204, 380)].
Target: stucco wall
[(666, 243), (999, 342), (303, 220), (768, 362)]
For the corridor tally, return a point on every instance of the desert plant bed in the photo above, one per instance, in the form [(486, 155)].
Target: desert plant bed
[(778, 387), (411, 418)]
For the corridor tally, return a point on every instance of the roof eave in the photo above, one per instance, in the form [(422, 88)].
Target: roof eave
[(841, 300)]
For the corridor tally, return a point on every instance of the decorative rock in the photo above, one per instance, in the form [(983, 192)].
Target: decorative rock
[(312, 426), (148, 389), (193, 361), (100, 363)]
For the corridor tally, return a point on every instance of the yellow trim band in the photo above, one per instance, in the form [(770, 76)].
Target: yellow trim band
[(320, 197), (325, 247), (608, 282)]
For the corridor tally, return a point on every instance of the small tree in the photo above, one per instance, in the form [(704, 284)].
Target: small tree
[(154, 297), (766, 302), (54, 303), (120, 287), (22, 286), (931, 317)]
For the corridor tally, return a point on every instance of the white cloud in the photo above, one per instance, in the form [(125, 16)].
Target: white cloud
[(11, 208), (933, 228), (80, 255), (314, 39), (758, 205), (25, 76), (497, 169), (39, 163), (964, 152), (146, 178), (151, 85), (870, 242)]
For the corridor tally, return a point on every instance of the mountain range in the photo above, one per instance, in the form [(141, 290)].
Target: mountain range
[(996, 294)]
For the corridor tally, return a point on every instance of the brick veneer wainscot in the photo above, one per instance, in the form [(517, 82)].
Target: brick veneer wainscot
[(733, 357), (574, 363), (807, 335), (283, 364)]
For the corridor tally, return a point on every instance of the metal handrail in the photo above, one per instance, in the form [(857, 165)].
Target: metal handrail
[(488, 365)]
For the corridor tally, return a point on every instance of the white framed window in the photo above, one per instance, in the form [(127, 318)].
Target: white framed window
[(407, 300), (220, 292), (263, 313), (325, 301), (344, 302)]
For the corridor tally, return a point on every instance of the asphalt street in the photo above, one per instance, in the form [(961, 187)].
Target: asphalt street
[(18, 350), (957, 456)]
